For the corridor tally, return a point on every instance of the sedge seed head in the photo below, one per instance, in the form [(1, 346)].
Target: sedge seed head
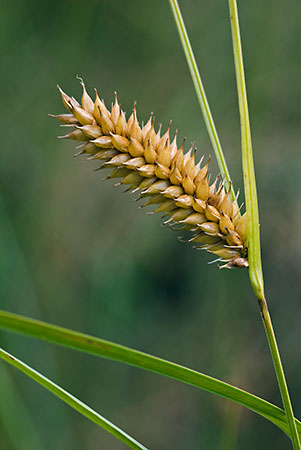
[(166, 177)]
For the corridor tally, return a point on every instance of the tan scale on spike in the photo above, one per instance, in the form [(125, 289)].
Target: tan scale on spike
[(162, 172)]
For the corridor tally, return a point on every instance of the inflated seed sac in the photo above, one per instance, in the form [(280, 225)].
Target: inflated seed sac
[(152, 164)]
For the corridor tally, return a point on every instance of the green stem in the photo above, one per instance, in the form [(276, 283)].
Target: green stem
[(266, 318), (254, 256), (106, 349), (255, 269), (72, 401), (200, 92)]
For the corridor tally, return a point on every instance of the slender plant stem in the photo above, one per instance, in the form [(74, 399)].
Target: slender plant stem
[(72, 401), (200, 92), (100, 347), (255, 270), (266, 318)]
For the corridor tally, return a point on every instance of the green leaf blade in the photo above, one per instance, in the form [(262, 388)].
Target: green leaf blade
[(107, 349), (254, 254), (201, 95), (72, 401)]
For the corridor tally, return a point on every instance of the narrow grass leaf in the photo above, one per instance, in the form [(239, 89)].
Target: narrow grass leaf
[(99, 347), (72, 401), (254, 255), (200, 93)]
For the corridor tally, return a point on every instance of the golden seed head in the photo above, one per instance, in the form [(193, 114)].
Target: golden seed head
[(162, 172)]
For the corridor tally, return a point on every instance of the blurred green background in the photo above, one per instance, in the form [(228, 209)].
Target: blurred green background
[(78, 253)]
